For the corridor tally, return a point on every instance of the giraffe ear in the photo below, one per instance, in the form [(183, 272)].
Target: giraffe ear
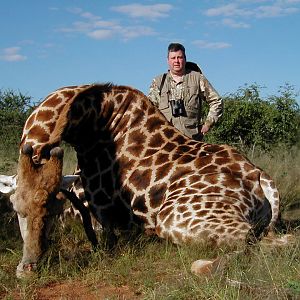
[(67, 181), (8, 184)]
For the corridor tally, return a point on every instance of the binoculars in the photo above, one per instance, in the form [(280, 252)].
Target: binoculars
[(177, 107)]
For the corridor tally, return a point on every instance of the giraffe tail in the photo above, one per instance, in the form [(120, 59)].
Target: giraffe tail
[(267, 215), (271, 193)]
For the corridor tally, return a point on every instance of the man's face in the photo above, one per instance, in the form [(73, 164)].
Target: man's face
[(176, 62)]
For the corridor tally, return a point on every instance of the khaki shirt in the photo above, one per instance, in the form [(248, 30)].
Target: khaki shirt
[(193, 89)]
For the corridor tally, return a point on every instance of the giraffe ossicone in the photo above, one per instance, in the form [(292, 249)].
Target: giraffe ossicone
[(138, 169)]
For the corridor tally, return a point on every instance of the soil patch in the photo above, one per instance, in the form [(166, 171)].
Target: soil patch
[(77, 290)]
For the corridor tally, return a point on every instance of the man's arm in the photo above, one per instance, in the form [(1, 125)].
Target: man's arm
[(215, 103), (154, 93)]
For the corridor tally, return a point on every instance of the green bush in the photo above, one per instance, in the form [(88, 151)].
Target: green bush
[(249, 120), (14, 110)]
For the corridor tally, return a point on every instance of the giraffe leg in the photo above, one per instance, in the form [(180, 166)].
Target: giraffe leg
[(222, 224), (274, 240), (86, 217), (221, 227)]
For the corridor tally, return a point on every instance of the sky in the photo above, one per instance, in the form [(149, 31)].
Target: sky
[(46, 45)]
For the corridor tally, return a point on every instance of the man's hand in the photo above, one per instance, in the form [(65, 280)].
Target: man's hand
[(205, 129)]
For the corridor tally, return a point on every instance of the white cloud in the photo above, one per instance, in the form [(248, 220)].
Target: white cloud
[(226, 10), (241, 13), (102, 23), (89, 16), (12, 54), (99, 29), (53, 8), (234, 24), (289, 1), (210, 45), (136, 10), (100, 34), (136, 31), (274, 11), (254, 9)]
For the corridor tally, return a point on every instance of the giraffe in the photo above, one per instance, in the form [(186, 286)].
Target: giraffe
[(137, 169)]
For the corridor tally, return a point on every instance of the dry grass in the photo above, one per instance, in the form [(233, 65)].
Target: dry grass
[(284, 167), (148, 268), (155, 269)]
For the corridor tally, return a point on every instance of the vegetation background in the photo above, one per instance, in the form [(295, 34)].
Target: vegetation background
[(266, 130)]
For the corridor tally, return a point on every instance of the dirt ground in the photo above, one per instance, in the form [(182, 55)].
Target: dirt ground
[(79, 291)]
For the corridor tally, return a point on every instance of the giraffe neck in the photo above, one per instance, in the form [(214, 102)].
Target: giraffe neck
[(43, 128), (118, 115), (123, 146)]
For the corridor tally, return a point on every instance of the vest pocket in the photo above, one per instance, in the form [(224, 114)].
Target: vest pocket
[(164, 101), (191, 119), (190, 124), (191, 113), (192, 97)]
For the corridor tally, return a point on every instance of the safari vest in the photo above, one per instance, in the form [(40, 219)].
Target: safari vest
[(192, 97)]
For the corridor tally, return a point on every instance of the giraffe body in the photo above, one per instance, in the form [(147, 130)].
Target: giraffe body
[(138, 169)]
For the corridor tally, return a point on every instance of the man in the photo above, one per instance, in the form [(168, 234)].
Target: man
[(179, 95)]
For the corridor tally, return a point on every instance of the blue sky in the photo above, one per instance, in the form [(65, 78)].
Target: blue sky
[(45, 45)]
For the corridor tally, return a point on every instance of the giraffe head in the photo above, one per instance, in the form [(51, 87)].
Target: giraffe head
[(35, 202)]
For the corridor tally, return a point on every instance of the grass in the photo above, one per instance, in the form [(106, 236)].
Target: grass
[(156, 269), (283, 165), (141, 267)]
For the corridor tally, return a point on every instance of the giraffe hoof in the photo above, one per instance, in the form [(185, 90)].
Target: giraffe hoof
[(57, 152), (206, 267), (26, 271), (27, 149)]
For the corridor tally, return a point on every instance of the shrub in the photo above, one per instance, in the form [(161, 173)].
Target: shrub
[(14, 110), (250, 120)]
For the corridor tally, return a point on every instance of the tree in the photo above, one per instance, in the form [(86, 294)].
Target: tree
[(14, 110), (249, 120)]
